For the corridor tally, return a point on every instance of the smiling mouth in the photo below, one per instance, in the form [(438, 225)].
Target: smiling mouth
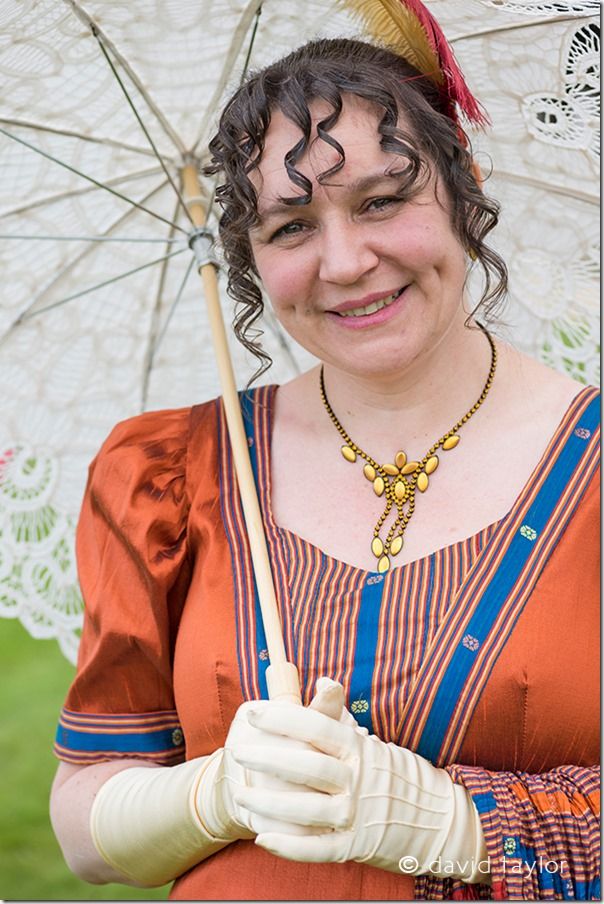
[(373, 307)]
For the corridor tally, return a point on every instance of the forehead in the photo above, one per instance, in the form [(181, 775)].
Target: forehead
[(356, 131)]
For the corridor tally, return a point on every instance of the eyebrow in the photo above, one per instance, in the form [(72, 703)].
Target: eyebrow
[(357, 186)]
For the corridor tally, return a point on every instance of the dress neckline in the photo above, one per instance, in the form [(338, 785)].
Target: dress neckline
[(267, 398)]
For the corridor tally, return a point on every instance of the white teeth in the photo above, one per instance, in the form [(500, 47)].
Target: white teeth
[(371, 308)]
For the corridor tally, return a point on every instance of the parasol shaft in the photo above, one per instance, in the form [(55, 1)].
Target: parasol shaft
[(282, 676)]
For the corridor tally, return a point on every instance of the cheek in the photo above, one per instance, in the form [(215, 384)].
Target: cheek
[(284, 278), (438, 253)]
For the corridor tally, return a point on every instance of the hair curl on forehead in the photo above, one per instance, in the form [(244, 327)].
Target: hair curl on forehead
[(330, 71)]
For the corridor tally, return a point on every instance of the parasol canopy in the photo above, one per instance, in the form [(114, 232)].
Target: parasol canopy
[(104, 105)]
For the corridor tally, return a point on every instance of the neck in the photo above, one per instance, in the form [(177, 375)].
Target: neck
[(417, 405)]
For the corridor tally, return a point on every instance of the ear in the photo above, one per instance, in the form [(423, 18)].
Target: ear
[(477, 173)]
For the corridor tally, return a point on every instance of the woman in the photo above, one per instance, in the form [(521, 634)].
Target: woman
[(429, 498)]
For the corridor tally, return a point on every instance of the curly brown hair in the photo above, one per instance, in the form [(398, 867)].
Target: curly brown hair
[(326, 70)]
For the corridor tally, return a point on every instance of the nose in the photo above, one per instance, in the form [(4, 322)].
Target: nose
[(346, 254)]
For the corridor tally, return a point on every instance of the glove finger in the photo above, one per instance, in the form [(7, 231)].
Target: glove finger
[(306, 724), (306, 849), (302, 767), (329, 698), (297, 807)]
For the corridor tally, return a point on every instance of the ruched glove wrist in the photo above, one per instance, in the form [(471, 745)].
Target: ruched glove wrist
[(375, 802), (153, 824)]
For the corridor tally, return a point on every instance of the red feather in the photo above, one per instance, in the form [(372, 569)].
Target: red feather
[(455, 89)]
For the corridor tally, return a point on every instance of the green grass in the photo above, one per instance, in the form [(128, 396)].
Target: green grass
[(35, 678)]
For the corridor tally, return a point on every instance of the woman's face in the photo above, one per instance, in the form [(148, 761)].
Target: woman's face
[(364, 279)]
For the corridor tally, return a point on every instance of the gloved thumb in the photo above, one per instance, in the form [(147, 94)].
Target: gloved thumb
[(329, 698)]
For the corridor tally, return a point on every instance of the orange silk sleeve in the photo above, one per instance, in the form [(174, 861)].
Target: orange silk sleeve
[(133, 569)]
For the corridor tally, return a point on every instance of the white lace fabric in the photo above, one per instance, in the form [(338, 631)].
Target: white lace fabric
[(69, 370)]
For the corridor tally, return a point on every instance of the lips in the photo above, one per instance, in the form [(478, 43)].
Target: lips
[(371, 313), (369, 305)]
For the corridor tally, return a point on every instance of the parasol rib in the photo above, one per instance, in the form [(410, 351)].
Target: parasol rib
[(552, 189), (153, 349), (71, 133), (72, 169), (248, 55), (96, 31), (282, 676), (231, 56), (151, 346), (80, 257), (246, 63), (90, 289), (511, 26), (77, 193), (88, 238), (146, 132)]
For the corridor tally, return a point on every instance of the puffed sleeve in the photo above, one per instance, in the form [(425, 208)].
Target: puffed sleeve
[(542, 835), (134, 571)]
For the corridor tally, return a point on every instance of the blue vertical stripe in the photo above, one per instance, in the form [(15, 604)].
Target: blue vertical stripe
[(502, 583), (246, 400), (361, 679)]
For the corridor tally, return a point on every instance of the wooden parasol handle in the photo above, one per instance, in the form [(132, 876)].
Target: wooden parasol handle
[(281, 676)]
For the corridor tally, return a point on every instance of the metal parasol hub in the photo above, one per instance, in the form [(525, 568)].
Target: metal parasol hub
[(201, 242)]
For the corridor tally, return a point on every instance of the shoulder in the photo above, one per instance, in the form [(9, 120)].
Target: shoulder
[(538, 376), (148, 428), (148, 454), (157, 433), (534, 391)]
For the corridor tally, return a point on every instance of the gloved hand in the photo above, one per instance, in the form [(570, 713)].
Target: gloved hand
[(219, 784), (152, 824), (375, 802)]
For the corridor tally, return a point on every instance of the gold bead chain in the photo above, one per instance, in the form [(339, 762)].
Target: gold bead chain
[(398, 481)]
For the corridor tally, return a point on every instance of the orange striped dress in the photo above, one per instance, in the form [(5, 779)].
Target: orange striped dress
[(483, 657)]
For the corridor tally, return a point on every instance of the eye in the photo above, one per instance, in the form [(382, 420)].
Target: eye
[(377, 204), (288, 230)]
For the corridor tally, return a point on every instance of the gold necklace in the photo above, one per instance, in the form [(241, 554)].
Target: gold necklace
[(399, 481)]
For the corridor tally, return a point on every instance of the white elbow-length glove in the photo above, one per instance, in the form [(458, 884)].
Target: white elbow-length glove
[(153, 824), (389, 807)]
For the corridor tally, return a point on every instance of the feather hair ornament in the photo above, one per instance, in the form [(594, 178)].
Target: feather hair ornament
[(411, 31)]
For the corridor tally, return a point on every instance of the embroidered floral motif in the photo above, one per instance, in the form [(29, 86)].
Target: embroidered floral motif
[(509, 846), (470, 643), (263, 654), (38, 579), (177, 737), (375, 579), (359, 706), (582, 433), (528, 532)]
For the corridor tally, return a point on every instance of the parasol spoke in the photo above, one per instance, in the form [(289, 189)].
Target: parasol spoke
[(98, 32), (155, 345), (90, 289), (139, 119), (72, 133), (549, 187), (78, 192), (71, 264), (246, 64), (88, 238), (510, 26), (104, 185), (150, 351), (252, 10), (248, 55)]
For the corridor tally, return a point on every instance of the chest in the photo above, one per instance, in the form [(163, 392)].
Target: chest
[(329, 502)]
